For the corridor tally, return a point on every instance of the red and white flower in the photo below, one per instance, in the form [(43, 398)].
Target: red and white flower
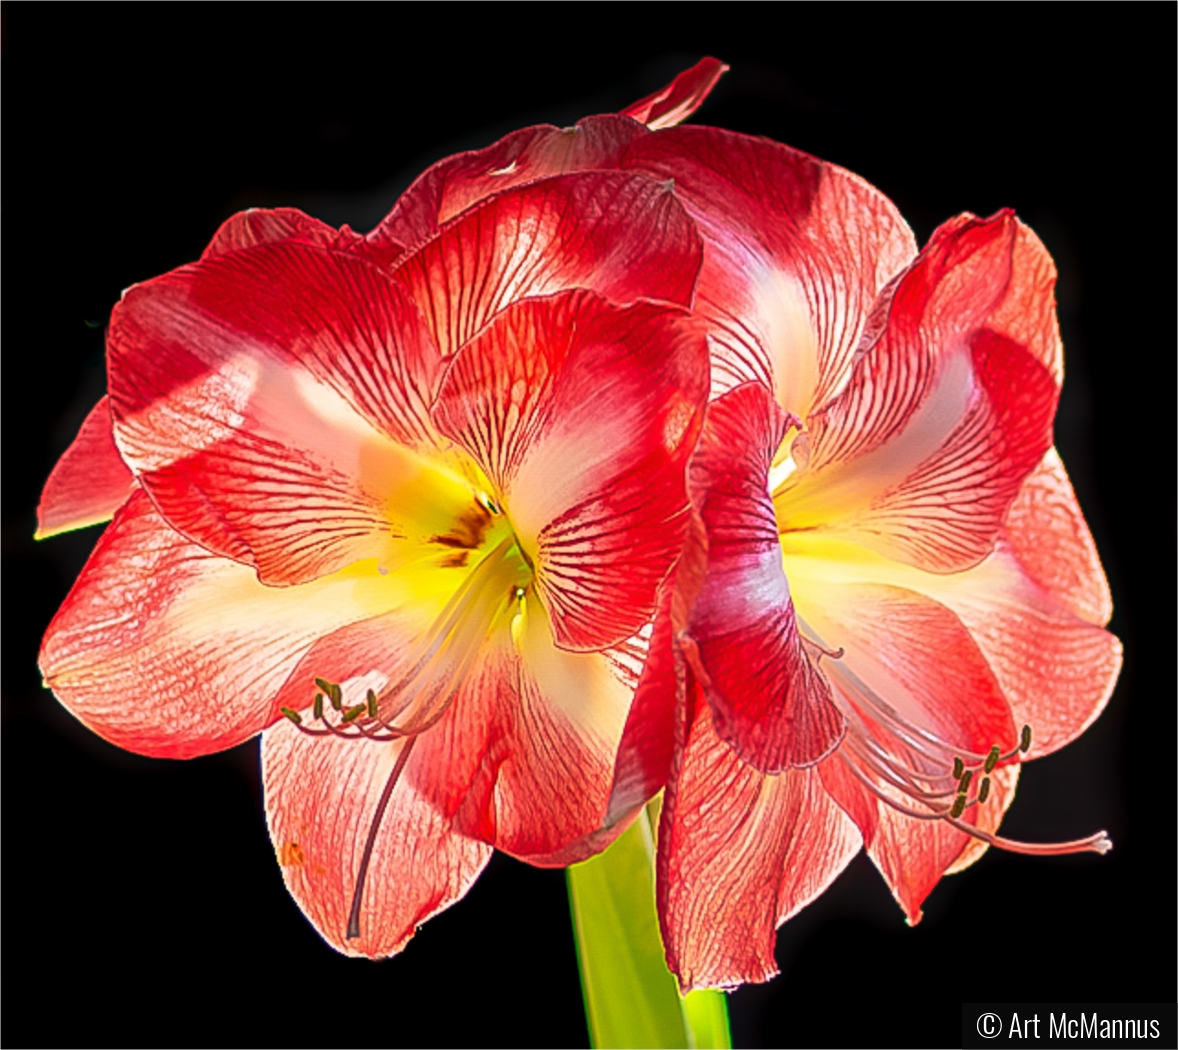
[(896, 577), (410, 513)]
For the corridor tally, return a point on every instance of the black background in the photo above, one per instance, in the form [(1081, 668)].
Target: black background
[(141, 901)]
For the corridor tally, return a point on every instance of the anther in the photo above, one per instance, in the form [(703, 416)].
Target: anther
[(1025, 743), (966, 777), (354, 712), (318, 708), (958, 806), (294, 716), (992, 759), (984, 790), (371, 698), (958, 768)]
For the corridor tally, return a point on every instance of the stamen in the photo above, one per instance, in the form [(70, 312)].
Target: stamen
[(1098, 843), (428, 681), (294, 716), (318, 706), (992, 759), (898, 759), (370, 842)]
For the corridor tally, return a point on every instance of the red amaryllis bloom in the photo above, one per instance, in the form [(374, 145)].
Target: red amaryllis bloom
[(894, 578), (407, 512), (897, 599)]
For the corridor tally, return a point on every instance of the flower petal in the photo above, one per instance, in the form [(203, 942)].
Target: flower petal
[(90, 481), (597, 498), (276, 225), (167, 650), (676, 102), (272, 400), (767, 700), (621, 235), (458, 182), (322, 797), (943, 417), (1056, 669), (797, 251), (1048, 535), (912, 654), (739, 853), (530, 721), (647, 746)]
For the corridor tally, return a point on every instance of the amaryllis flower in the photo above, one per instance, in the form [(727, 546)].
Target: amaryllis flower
[(893, 576), (409, 513), (896, 600)]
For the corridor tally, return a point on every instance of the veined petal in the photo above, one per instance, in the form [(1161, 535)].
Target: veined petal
[(618, 234), (676, 102), (914, 855), (322, 799), (739, 853), (767, 700), (916, 691), (583, 415), (529, 721), (648, 740), (90, 481), (167, 650), (943, 417), (913, 653), (796, 252), (1048, 535), (276, 225), (458, 182), (273, 402), (1055, 668)]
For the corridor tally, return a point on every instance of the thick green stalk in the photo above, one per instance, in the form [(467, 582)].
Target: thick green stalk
[(631, 998)]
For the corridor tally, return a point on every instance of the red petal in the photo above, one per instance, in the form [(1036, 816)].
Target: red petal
[(914, 655), (1047, 533), (680, 98), (525, 756), (169, 651), (620, 235), (1055, 669), (913, 855), (797, 251), (266, 395), (276, 225), (459, 182), (321, 800), (739, 853), (767, 700), (943, 418), (648, 740), (583, 415), (90, 481)]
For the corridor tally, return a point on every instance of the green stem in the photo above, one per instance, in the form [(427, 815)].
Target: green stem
[(631, 998)]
